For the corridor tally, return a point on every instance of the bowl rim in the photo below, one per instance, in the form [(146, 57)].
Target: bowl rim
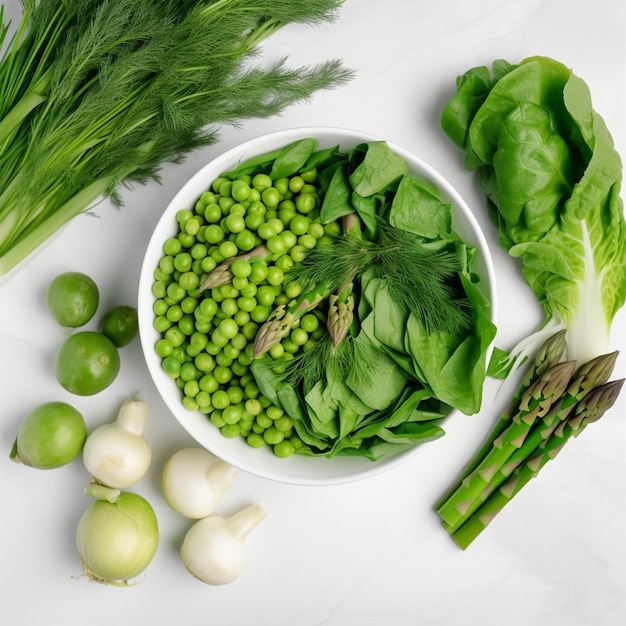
[(267, 465)]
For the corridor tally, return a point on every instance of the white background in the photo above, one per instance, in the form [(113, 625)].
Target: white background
[(368, 553)]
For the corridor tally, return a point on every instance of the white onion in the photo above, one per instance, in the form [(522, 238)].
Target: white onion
[(116, 454), (117, 536), (194, 481), (214, 549)]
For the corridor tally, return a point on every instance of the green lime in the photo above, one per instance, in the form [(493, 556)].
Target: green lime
[(73, 298), (50, 436), (87, 363), (120, 325)]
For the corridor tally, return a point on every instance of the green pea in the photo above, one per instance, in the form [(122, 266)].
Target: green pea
[(260, 313), (265, 295), (175, 335), (192, 226), (214, 234), (272, 436), (171, 366), (258, 272), (204, 362), (232, 414), (293, 290), (305, 202), (266, 231), (235, 223), (187, 324), (172, 246), (253, 406), (249, 330), (186, 240), (208, 307), (299, 336), (239, 369), (307, 241), (229, 306), (230, 431), (276, 351), (249, 291), (189, 403), (284, 449), (263, 421), (163, 348), (316, 229), (228, 249), (222, 374), (191, 388), (217, 419), (174, 313), (276, 245), (189, 281), (270, 197), (204, 400), (208, 264), (242, 318), (220, 399), (261, 182), (284, 423), (245, 240), (247, 304), (208, 383), (255, 440), (228, 291), (235, 394), (213, 213), (241, 268), (275, 275), (240, 190), (296, 183)]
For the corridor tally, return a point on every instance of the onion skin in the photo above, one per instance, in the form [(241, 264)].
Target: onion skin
[(116, 540)]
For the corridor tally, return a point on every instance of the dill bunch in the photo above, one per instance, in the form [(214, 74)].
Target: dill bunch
[(99, 93)]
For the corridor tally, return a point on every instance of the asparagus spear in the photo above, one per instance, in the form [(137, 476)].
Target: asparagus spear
[(340, 313), (547, 356), (586, 411), (281, 320), (535, 404), (221, 275)]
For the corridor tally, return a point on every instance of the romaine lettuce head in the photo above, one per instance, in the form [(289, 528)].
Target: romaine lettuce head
[(552, 178)]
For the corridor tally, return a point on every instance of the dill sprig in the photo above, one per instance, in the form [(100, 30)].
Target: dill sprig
[(96, 93), (422, 276)]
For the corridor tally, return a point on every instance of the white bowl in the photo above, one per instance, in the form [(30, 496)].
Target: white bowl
[(301, 470)]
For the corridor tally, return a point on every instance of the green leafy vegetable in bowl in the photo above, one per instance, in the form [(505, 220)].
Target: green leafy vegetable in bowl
[(349, 324)]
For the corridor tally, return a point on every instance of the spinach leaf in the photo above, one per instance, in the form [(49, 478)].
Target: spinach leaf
[(380, 168), (292, 158), (418, 208), (336, 203)]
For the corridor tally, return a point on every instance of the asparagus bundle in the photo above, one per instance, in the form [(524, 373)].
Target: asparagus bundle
[(555, 401)]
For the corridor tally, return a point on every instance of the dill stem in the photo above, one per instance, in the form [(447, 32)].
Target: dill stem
[(53, 222), (29, 101)]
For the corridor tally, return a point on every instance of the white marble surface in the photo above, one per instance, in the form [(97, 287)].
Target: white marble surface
[(369, 553)]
